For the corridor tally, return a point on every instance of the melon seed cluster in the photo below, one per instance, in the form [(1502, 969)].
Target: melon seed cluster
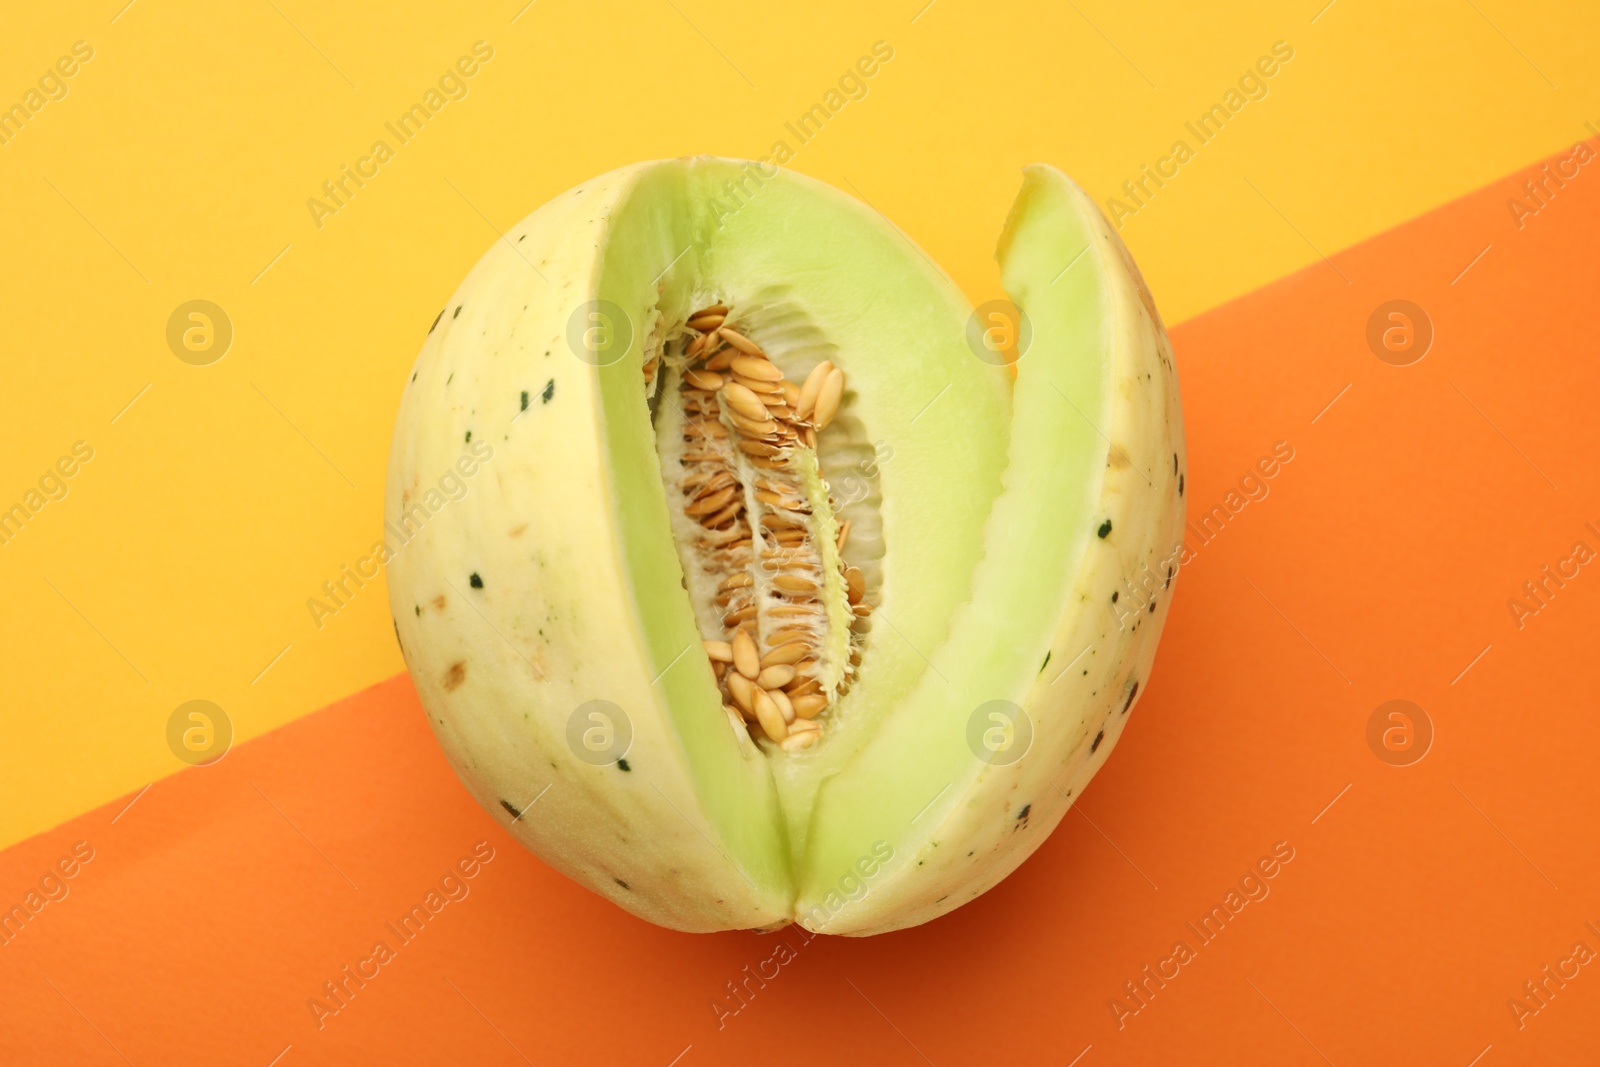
[(745, 423)]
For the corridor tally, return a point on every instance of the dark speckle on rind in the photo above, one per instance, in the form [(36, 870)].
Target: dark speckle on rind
[(1180, 485), (515, 814), (469, 436), (521, 239), (1045, 664), (524, 400), (549, 391), (1105, 528), (1169, 576), (457, 314), (623, 884), (1174, 463), (1131, 694), (1023, 814), (1152, 607), (1113, 596), (623, 765), (476, 581), (436, 319), (419, 610), (1099, 737)]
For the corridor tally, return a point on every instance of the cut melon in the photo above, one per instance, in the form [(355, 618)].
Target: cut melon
[(715, 543)]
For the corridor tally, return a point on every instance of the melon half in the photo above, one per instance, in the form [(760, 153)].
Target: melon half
[(749, 576)]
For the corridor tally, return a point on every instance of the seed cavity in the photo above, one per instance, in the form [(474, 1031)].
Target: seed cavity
[(780, 611)]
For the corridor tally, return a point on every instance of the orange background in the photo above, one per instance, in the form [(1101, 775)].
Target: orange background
[(1378, 567)]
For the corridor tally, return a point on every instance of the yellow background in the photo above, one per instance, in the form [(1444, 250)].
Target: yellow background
[(180, 162)]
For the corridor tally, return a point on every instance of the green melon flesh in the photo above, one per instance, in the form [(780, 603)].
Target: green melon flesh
[(898, 325), (993, 502)]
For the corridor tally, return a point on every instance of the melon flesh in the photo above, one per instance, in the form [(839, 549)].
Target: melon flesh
[(551, 577)]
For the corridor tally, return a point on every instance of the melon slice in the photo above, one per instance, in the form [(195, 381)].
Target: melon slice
[(716, 543)]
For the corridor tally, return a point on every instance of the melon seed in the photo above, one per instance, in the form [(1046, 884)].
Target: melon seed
[(755, 366), (770, 717), (742, 400), (775, 677), (745, 656), (828, 398), (812, 389)]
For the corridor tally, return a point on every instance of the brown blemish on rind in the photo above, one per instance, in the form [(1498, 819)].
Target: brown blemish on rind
[(455, 676), (438, 602), (517, 531)]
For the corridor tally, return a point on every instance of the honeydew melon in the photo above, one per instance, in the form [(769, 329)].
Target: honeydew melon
[(595, 534)]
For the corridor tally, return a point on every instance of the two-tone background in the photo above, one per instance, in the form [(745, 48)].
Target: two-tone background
[(175, 490)]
